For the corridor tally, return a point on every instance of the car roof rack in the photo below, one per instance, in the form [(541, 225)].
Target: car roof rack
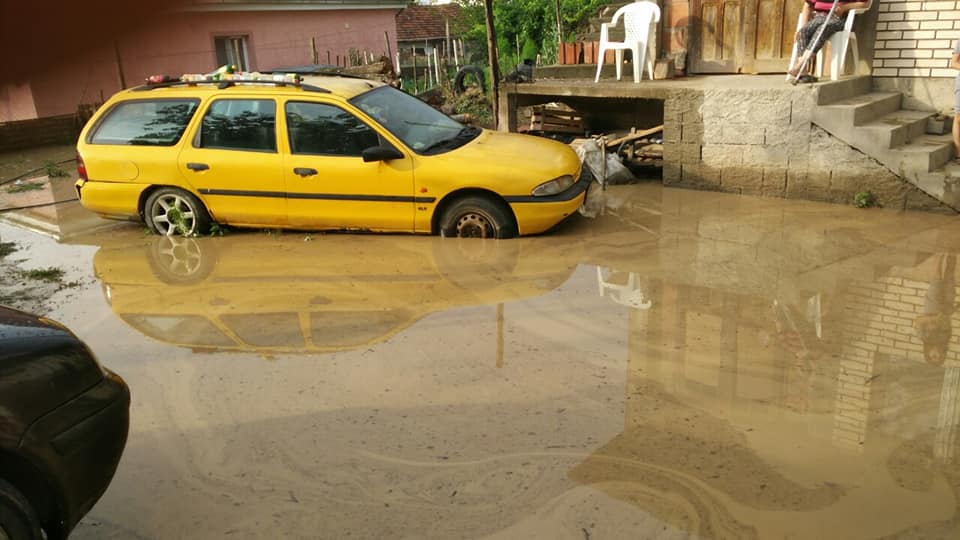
[(228, 83)]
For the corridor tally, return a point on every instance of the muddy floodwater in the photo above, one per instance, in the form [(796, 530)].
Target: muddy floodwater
[(685, 365)]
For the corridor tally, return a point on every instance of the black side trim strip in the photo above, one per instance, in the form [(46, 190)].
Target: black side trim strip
[(319, 196), (244, 193), (571, 193)]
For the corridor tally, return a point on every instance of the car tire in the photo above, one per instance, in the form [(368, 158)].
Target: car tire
[(180, 261), (157, 212), (477, 217), (476, 264), (18, 520)]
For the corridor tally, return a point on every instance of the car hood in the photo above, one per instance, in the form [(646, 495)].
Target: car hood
[(528, 159), (21, 332)]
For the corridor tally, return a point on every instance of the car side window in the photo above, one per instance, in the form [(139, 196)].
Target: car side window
[(156, 122), (239, 124), (317, 128)]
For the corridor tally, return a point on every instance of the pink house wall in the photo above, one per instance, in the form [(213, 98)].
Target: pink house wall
[(184, 43), (16, 102)]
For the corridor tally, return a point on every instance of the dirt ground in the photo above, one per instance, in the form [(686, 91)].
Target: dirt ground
[(13, 164)]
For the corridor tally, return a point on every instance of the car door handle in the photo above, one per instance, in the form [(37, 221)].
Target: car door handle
[(198, 166), (304, 172)]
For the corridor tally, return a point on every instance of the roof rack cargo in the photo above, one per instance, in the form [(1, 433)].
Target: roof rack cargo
[(228, 83)]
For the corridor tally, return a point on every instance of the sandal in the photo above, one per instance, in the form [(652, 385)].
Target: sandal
[(807, 79)]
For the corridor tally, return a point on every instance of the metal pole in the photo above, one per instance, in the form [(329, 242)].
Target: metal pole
[(414, 51), (121, 80), (559, 27), (446, 22), (456, 59), (386, 38), (494, 62)]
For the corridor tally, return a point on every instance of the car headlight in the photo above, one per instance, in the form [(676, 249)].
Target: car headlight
[(557, 185)]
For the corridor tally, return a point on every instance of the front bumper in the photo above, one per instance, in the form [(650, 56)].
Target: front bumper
[(79, 445), (538, 214)]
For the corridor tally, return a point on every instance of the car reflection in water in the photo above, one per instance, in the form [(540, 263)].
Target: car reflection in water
[(281, 294)]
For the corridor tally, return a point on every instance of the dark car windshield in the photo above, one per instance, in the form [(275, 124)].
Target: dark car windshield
[(421, 127)]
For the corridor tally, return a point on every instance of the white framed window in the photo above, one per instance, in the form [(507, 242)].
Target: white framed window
[(232, 50)]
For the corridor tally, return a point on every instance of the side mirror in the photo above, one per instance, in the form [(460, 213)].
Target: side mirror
[(380, 153)]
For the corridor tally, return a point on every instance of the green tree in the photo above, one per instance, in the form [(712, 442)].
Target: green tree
[(531, 23)]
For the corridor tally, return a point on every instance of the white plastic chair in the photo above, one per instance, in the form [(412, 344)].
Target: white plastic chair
[(638, 18), (839, 43), (629, 295)]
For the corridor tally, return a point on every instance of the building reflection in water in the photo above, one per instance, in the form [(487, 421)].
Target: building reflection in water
[(747, 416)]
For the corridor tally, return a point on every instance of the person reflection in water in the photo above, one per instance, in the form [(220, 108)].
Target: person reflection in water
[(933, 324)]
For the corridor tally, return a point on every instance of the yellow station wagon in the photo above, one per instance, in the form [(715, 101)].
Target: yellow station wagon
[(325, 153)]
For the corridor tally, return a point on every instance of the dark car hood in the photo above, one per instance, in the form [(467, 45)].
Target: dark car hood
[(22, 333), (42, 366)]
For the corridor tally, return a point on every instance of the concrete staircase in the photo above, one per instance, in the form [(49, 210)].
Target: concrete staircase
[(875, 124)]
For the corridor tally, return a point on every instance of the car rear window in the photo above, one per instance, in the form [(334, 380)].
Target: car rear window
[(159, 122)]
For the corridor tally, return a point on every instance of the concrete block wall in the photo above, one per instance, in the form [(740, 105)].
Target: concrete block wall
[(915, 38), (762, 142)]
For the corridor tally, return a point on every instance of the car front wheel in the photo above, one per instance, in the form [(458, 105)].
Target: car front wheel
[(172, 211), (18, 521), (477, 217)]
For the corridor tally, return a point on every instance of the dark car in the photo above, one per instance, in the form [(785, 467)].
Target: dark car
[(63, 426)]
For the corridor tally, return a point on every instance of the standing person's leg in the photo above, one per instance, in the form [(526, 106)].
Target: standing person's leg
[(956, 120)]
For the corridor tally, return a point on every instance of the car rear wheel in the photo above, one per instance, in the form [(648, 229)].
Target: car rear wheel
[(180, 261), (172, 211), (477, 217), (18, 521)]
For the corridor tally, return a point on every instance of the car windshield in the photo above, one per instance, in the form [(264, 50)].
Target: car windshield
[(420, 126)]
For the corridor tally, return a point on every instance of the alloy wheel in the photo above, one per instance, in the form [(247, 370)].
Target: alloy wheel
[(174, 214)]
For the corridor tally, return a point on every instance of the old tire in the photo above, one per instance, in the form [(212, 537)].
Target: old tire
[(477, 217), (460, 84), (170, 211), (18, 520)]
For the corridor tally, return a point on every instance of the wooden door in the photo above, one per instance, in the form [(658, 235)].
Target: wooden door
[(743, 36), (718, 36), (770, 28)]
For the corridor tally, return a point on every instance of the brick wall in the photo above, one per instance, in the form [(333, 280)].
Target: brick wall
[(878, 320), (39, 132), (915, 38)]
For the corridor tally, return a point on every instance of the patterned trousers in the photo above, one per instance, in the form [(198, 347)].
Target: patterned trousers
[(809, 30)]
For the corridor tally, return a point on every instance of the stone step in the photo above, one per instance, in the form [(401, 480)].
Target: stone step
[(942, 184), (925, 154), (833, 91), (858, 110), (893, 129)]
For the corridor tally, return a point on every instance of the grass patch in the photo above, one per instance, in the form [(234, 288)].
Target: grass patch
[(54, 170), (217, 229), (25, 186), (6, 248), (50, 274), (864, 199)]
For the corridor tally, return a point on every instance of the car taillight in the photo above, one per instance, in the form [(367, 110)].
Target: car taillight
[(81, 168)]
